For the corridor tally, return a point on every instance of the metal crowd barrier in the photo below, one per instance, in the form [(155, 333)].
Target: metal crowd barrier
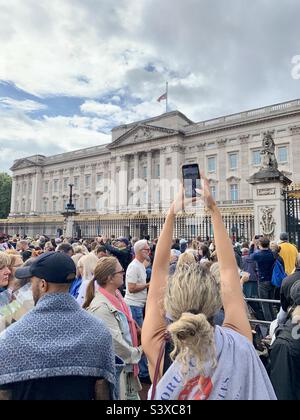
[(257, 321)]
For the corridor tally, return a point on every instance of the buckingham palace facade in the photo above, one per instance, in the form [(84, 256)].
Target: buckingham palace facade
[(126, 186)]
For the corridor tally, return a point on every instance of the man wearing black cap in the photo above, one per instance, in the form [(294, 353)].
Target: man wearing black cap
[(122, 252), (57, 351)]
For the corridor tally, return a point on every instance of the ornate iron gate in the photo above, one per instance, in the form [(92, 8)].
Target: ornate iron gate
[(292, 211)]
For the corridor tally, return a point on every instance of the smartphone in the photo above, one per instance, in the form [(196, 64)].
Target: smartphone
[(191, 179)]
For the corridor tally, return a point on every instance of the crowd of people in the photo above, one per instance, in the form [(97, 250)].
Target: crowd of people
[(109, 315)]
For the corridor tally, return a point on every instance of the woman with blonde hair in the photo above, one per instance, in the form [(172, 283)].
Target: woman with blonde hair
[(16, 261), (209, 362), (104, 300), (86, 266), (186, 258), (4, 271)]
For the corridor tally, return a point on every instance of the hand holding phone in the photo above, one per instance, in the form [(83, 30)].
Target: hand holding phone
[(191, 179)]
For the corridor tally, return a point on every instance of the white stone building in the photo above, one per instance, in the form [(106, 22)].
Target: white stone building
[(104, 177)]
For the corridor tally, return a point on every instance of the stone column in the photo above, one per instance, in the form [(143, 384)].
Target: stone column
[(112, 187), (27, 195), (81, 187), (136, 184), (60, 189), (93, 187), (123, 184), (201, 156), (244, 188), (149, 180), (221, 171), (36, 191), (50, 204), (136, 166), (13, 196), (163, 181), (33, 194)]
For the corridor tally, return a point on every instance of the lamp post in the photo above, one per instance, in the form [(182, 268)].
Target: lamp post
[(69, 214)]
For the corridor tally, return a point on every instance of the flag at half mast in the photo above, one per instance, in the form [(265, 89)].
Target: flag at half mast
[(163, 97)]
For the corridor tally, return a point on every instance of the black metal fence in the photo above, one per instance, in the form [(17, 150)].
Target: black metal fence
[(239, 226), (292, 211)]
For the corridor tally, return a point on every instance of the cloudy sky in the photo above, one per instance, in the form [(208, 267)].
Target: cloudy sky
[(70, 70)]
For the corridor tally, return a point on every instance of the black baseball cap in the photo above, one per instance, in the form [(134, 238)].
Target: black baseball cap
[(54, 267)]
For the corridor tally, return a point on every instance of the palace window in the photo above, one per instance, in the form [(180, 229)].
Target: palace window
[(54, 206), (282, 154), (46, 186), (87, 180), (256, 157), (145, 197), (66, 182), (100, 177), (233, 161), (158, 196), (132, 173), (158, 170), (76, 182), (212, 164), (213, 191), (55, 186), (87, 203), (145, 172), (234, 192)]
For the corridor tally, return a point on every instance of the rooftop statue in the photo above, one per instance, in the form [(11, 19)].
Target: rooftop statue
[(269, 160)]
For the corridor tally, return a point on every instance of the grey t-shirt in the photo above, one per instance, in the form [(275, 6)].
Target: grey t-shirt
[(239, 374), (136, 273)]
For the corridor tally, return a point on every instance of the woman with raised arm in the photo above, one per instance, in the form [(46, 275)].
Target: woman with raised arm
[(209, 362)]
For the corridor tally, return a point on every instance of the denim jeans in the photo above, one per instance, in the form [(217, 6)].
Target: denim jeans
[(266, 291), (137, 315)]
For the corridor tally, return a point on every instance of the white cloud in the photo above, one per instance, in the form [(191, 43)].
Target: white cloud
[(76, 49), (21, 136), (219, 57), (97, 108), (26, 106)]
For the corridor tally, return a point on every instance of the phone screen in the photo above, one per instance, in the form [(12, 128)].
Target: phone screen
[(191, 179)]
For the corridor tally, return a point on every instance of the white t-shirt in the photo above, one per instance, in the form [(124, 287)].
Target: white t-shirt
[(136, 273)]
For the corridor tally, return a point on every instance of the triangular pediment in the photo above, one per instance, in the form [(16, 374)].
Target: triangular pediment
[(142, 133), (25, 163)]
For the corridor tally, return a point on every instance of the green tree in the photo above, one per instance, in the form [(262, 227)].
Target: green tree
[(5, 194)]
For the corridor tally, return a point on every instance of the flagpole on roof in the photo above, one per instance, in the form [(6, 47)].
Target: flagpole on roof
[(167, 94)]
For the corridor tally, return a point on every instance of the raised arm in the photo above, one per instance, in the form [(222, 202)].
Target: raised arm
[(232, 297), (154, 325)]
